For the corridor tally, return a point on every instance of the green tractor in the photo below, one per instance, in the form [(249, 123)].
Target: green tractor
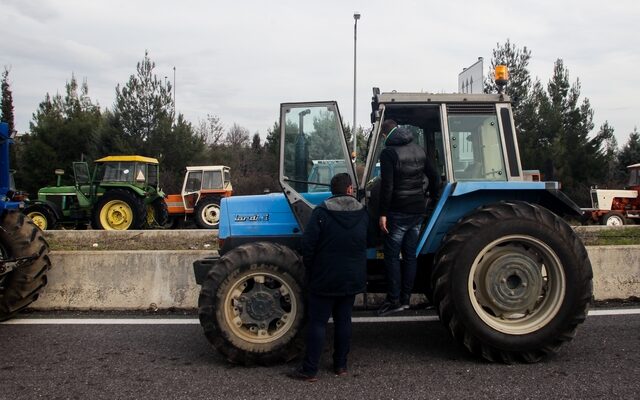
[(123, 193)]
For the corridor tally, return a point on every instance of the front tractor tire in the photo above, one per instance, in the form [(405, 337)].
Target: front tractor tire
[(120, 210), (20, 238), (207, 213), (251, 304), (42, 216), (512, 282), (613, 218)]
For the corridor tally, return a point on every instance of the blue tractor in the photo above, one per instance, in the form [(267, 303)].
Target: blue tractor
[(24, 253), (508, 276)]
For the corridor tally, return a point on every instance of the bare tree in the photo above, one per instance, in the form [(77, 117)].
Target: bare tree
[(237, 136), (211, 130)]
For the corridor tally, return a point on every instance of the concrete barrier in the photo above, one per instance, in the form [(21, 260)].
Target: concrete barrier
[(616, 271), (121, 280), (141, 279)]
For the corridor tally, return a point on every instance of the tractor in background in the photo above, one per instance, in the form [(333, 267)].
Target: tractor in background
[(202, 190), (24, 253), (123, 193), (509, 278), (616, 207)]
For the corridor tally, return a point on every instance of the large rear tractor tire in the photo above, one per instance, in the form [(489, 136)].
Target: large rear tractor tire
[(41, 216), (251, 305), (21, 238), (512, 282), (207, 213), (157, 214), (119, 209)]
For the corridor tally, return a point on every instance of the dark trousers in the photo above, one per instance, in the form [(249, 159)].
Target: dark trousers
[(404, 234), (320, 308)]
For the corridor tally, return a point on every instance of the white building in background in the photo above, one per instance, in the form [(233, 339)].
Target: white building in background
[(470, 80)]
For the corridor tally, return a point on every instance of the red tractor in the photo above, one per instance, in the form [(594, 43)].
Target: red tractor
[(202, 190), (617, 207)]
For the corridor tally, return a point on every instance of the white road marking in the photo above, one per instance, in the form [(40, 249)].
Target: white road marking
[(195, 321)]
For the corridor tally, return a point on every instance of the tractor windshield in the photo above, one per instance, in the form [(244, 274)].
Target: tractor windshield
[(116, 172), (128, 172), (212, 180), (476, 150)]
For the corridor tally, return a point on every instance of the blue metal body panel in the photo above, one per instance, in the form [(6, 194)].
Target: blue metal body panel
[(261, 215), (270, 215), (459, 199), (5, 141)]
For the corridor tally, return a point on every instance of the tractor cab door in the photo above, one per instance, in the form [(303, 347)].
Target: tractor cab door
[(312, 150), (82, 177), (191, 189)]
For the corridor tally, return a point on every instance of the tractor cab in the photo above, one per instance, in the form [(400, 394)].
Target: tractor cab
[(203, 181), (141, 172), (469, 138)]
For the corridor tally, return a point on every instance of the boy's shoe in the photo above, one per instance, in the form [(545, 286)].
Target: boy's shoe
[(389, 307), (299, 375), (342, 371)]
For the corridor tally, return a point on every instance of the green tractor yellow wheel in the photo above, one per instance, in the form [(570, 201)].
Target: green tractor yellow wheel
[(157, 214), (39, 220), (119, 210), (41, 216), (117, 215)]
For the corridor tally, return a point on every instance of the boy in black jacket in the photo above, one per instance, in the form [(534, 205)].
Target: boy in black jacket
[(334, 248)]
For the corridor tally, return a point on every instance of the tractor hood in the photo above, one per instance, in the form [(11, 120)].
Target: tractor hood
[(261, 215)]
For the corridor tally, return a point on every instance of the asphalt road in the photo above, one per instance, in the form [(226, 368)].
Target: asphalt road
[(392, 360)]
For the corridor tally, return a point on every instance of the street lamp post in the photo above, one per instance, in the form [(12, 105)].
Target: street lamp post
[(356, 17)]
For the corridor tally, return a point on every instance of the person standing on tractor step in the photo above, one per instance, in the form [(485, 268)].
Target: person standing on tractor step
[(403, 166), (334, 251)]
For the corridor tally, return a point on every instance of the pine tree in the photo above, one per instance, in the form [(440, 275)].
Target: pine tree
[(62, 131), (629, 155), (6, 109), (609, 146), (144, 106), (576, 160)]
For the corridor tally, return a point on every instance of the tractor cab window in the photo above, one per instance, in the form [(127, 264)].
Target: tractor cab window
[(141, 175), (314, 148), (152, 174), (116, 172), (322, 171), (227, 177), (634, 176), (194, 181), (81, 173), (212, 180), (476, 148)]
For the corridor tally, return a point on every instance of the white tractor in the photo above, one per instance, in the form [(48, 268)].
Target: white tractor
[(617, 207)]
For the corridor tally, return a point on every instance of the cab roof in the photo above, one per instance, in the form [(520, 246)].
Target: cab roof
[(207, 168), (405, 97), (142, 159)]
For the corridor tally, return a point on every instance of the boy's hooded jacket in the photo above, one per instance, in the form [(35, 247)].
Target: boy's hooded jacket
[(334, 247)]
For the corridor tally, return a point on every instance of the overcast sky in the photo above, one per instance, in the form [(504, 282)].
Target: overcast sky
[(240, 59)]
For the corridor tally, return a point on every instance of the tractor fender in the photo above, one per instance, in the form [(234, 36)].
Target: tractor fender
[(55, 209), (460, 199), (131, 188)]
